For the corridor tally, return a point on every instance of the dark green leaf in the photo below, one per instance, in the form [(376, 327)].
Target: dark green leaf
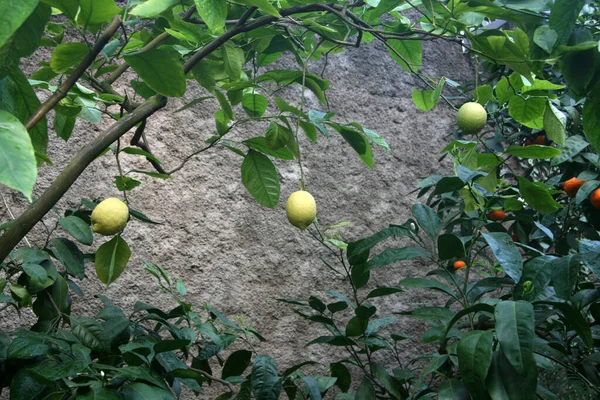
[(365, 390), (236, 363), (367, 243), (515, 332), (70, 256), (266, 385), (259, 176), (563, 17), (333, 340), (450, 246), (453, 389), (357, 141), (142, 391), (422, 283), (90, 333), (591, 119), (344, 379), (255, 104), (474, 358), (390, 256), (78, 228), (428, 220), (506, 253), (384, 291)]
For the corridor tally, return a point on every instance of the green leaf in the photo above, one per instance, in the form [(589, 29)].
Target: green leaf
[(27, 38), (236, 363), (565, 273), (573, 146), (515, 332), (111, 259), (367, 243), (152, 8), (391, 384), (13, 16), (450, 246), (70, 256), (589, 251), (262, 5), (18, 167), (233, 57), (506, 253), (390, 256), (427, 99), (423, 283), (66, 55), (365, 390), (259, 144), (453, 389), (142, 391), (545, 37), (529, 111), (18, 98), (161, 70), (483, 94), (535, 151), (555, 124), (35, 272), (563, 17), (94, 12), (259, 176), (255, 104), (333, 341), (24, 387), (383, 291), (407, 53), (89, 332), (140, 152), (474, 358), (591, 119), (78, 228), (63, 125), (214, 13), (537, 195), (428, 220), (340, 371), (125, 183), (266, 385)]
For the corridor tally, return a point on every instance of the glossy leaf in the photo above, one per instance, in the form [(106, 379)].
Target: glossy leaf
[(213, 12), (390, 256), (590, 254), (70, 256), (555, 124), (153, 8), (94, 12), (474, 358), (142, 391), (78, 228), (453, 389), (506, 253), (591, 119), (450, 246), (266, 385), (89, 332), (407, 53), (111, 259), (259, 176), (529, 111), (358, 142), (18, 166), (428, 220), (515, 332), (340, 371), (365, 390), (236, 363)]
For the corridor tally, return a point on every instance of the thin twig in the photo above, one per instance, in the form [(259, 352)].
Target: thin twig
[(214, 378), (63, 90)]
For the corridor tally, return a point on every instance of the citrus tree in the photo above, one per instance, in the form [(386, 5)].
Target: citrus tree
[(515, 255)]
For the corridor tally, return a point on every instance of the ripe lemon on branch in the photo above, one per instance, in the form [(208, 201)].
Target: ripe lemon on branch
[(110, 217), (301, 209), (471, 117)]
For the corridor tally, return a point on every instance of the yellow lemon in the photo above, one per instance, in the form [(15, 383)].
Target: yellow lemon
[(110, 217), (301, 209), (471, 117)]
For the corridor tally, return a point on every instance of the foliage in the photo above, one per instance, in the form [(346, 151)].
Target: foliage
[(520, 321)]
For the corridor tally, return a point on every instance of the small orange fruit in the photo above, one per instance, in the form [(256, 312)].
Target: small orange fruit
[(497, 215), (459, 264), (540, 139), (572, 186), (595, 198)]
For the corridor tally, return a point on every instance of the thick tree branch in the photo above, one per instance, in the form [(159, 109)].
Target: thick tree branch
[(63, 90), (36, 211)]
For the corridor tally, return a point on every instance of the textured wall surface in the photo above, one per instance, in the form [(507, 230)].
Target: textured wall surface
[(239, 256)]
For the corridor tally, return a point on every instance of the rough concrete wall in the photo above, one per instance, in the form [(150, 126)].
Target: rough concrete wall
[(240, 256)]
